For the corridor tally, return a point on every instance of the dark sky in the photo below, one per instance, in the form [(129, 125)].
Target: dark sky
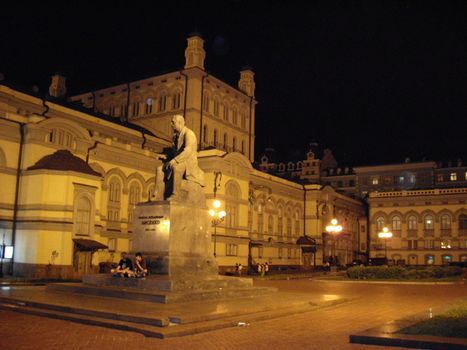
[(374, 81)]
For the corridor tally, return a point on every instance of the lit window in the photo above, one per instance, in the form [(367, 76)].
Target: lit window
[(379, 223), (429, 259), (453, 177), (400, 179), (375, 180), (412, 178), (446, 244), (446, 259), (429, 223), (148, 105)]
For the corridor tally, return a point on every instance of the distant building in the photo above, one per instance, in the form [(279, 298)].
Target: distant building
[(429, 226)]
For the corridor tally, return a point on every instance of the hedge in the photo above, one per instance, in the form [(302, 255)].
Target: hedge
[(397, 272)]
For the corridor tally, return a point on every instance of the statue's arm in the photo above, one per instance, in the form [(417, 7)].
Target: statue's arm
[(189, 150)]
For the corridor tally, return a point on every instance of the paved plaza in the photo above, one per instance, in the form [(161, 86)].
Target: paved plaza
[(328, 328)]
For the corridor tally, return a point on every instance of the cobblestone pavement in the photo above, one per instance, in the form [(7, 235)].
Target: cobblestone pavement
[(322, 329)]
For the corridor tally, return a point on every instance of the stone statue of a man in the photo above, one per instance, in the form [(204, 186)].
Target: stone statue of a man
[(182, 163)]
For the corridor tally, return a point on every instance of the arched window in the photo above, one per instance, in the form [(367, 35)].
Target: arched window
[(297, 223), (289, 223), (148, 105), (462, 222), (429, 222), (260, 219), (83, 217), (396, 223), (429, 259), (162, 101), (445, 222), (112, 109), (206, 102), (243, 120), (216, 106), (270, 224), (216, 141), (151, 191), (234, 116), (133, 198), (232, 196), (379, 223), (225, 141), (113, 199), (446, 259), (205, 134), (226, 112), (234, 144), (280, 221), (412, 223), (176, 99), (135, 108)]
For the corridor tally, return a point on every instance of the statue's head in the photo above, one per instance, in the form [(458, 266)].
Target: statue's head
[(178, 122)]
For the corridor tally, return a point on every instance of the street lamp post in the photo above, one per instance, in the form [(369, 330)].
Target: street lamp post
[(334, 229), (217, 216), (385, 234)]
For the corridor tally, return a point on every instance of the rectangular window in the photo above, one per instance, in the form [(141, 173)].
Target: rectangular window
[(231, 249), (440, 178), (412, 178), (112, 243), (412, 244), (453, 177), (375, 180), (289, 253), (387, 180), (400, 179), (280, 253), (429, 244)]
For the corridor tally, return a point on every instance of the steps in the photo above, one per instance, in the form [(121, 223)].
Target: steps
[(178, 321)]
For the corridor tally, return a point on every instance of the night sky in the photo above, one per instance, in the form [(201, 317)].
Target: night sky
[(374, 81)]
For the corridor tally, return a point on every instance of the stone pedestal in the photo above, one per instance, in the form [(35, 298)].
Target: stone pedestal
[(174, 238)]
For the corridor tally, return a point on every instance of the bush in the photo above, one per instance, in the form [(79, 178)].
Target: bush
[(398, 272)]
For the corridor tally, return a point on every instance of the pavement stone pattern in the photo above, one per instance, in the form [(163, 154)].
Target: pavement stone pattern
[(327, 328)]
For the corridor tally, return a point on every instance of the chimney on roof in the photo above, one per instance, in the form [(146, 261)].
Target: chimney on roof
[(57, 87)]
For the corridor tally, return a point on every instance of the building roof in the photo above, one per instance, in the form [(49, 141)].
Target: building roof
[(64, 160)]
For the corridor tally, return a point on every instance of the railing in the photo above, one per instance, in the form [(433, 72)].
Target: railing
[(437, 191)]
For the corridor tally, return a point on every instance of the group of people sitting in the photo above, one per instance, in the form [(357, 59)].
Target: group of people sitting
[(125, 267)]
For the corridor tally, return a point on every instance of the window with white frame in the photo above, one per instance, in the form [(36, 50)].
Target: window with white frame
[(453, 177)]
